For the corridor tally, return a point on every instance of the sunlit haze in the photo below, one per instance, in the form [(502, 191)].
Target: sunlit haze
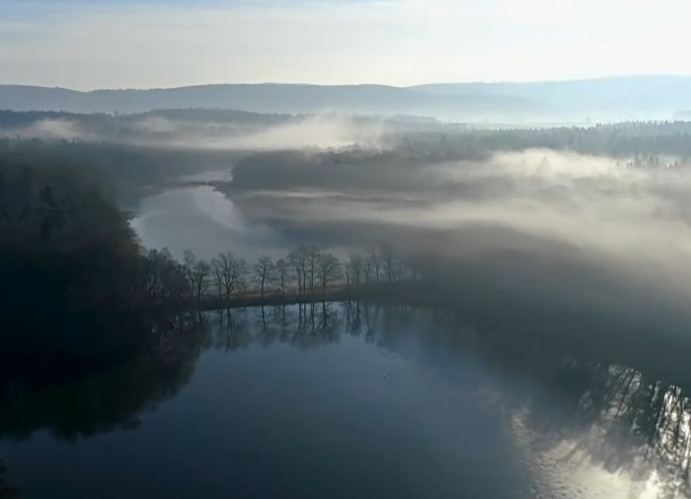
[(164, 43)]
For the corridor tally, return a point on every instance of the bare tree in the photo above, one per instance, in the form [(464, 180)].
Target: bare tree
[(217, 272), (201, 275), (283, 275), (197, 273), (391, 265), (313, 255), (348, 275), (367, 270), (374, 257), (328, 270), (263, 272), (229, 273), (357, 270), (298, 261), (162, 276)]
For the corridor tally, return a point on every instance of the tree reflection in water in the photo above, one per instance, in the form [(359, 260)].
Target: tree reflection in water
[(82, 406), (621, 419), (625, 418), (632, 414)]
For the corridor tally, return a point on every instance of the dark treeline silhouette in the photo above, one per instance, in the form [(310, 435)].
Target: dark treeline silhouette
[(617, 139), (73, 266), (306, 274), (125, 171)]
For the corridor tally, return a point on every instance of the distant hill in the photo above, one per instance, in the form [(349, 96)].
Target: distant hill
[(270, 98), (616, 98)]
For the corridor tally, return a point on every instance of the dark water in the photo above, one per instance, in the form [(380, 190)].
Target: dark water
[(346, 401)]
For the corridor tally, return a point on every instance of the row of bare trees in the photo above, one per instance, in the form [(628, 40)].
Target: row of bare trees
[(306, 270)]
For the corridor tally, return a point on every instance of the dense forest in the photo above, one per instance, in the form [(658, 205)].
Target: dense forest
[(77, 276), (124, 171)]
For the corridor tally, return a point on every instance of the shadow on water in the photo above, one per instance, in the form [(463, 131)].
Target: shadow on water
[(81, 406), (619, 415)]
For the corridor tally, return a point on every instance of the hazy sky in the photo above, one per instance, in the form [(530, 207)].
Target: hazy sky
[(158, 43)]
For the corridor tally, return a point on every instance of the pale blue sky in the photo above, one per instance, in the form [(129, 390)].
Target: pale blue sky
[(161, 43)]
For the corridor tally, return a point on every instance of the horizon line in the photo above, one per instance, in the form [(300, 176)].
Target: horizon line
[(370, 84)]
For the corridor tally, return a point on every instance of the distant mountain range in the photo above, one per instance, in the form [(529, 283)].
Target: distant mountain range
[(266, 98), (644, 97)]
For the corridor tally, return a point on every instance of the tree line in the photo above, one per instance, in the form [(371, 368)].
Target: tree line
[(307, 270), (72, 263)]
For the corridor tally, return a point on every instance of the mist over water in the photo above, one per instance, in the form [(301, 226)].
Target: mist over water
[(595, 232)]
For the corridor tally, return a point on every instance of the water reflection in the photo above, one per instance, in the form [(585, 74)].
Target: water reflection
[(620, 417), (302, 326), (80, 406)]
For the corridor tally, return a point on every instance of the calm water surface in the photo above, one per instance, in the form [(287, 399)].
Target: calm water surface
[(347, 401), (204, 220)]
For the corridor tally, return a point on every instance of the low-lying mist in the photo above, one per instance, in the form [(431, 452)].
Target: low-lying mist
[(554, 233), (293, 132), (589, 221)]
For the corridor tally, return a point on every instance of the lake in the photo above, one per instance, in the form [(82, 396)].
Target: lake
[(347, 400)]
